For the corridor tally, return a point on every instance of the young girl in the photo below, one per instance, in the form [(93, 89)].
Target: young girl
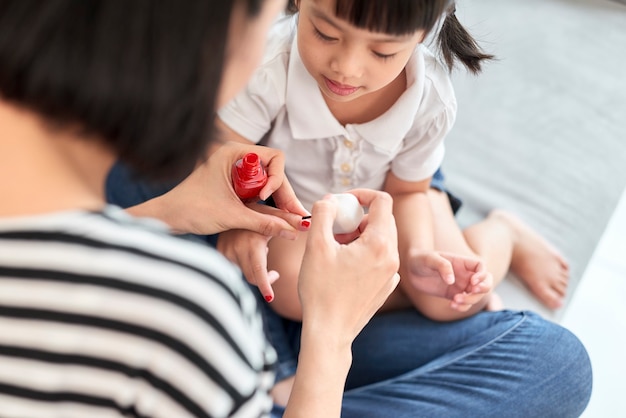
[(353, 98)]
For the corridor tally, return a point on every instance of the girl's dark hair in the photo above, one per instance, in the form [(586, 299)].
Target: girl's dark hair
[(401, 17), (140, 75)]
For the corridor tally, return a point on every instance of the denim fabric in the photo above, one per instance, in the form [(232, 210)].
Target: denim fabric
[(438, 182), (124, 188), (494, 364), (284, 335)]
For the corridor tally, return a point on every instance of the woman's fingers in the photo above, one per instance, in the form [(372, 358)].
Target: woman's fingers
[(342, 285)]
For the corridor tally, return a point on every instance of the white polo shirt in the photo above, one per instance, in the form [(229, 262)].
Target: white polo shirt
[(282, 107)]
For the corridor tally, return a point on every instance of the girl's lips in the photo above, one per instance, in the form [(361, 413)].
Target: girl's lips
[(339, 89)]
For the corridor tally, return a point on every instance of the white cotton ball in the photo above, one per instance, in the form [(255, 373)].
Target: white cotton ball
[(349, 213)]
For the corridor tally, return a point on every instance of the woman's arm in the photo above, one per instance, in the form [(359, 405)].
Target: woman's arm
[(341, 286), (205, 202)]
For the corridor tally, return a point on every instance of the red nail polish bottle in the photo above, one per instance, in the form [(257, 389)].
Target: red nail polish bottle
[(248, 176)]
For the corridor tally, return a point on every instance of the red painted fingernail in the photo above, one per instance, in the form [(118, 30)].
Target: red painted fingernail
[(269, 298), (305, 224)]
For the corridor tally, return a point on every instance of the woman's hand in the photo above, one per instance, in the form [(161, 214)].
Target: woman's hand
[(205, 202), (341, 286)]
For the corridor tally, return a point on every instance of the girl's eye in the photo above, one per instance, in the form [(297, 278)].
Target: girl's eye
[(322, 36), (384, 57)]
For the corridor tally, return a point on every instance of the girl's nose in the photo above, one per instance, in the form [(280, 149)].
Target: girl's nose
[(347, 63)]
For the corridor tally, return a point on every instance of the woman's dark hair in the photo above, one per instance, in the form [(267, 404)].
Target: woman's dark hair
[(141, 75), (401, 17)]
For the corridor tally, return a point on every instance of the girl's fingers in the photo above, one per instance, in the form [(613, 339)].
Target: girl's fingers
[(446, 271), (441, 265), (467, 298), (265, 285), (256, 269), (460, 307), (481, 282)]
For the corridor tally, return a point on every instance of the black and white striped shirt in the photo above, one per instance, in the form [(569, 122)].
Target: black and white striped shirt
[(102, 315)]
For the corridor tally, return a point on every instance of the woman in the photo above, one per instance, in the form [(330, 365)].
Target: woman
[(105, 315)]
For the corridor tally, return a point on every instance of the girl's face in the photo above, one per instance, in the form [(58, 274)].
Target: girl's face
[(348, 62), (246, 43)]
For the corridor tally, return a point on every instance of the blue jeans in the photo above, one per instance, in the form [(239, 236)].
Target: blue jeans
[(493, 364)]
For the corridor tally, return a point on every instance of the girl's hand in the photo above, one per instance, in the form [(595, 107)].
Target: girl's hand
[(248, 250), (205, 202), (462, 280), (341, 286)]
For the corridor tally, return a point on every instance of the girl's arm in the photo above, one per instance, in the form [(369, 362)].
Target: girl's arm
[(441, 286), (414, 220), (411, 208)]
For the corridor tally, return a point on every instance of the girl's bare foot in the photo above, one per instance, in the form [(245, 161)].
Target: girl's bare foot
[(537, 263)]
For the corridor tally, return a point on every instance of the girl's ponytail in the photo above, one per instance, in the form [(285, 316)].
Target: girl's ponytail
[(291, 8), (456, 43)]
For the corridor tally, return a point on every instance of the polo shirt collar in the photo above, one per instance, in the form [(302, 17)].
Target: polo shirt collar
[(310, 118), (389, 129)]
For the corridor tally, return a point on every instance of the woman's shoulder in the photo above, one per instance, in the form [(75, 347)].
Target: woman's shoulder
[(110, 280), (105, 237), (152, 238), (109, 249)]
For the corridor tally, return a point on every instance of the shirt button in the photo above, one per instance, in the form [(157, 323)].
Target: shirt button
[(346, 181), (346, 168), (347, 143)]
